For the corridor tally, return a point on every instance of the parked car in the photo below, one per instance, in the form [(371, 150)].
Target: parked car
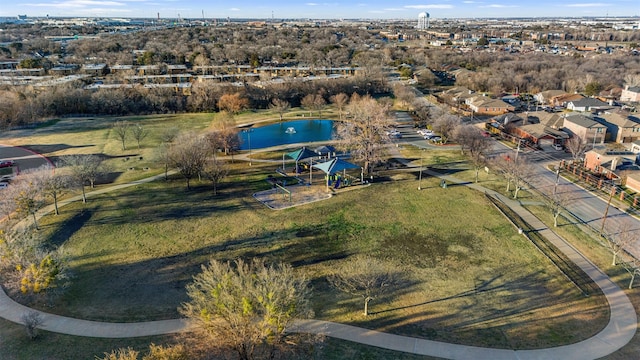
[(7, 163), (394, 134), (3, 185), (425, 132), (436, 139)]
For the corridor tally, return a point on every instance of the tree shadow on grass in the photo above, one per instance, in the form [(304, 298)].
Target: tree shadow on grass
[(49, 148), (501, 311), (154, 288), (71, 226)]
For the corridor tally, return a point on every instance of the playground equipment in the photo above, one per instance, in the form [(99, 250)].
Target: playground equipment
[(284, 191)]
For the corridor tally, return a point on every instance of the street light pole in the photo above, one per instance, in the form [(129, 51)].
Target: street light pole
[(555, 188), (606, 212), (249, 131), (420, 176)]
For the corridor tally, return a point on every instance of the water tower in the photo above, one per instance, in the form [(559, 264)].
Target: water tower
[(423, 21)]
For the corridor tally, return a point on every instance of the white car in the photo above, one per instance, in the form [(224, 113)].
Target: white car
[(425, 132), (394, 134), (3, 185)]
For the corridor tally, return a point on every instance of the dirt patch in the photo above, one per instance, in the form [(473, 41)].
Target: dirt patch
[(277, 198)]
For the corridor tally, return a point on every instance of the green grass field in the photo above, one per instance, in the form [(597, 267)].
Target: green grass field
[(132, 252), (468, 276)]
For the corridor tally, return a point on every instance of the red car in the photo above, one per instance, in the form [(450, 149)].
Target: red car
[(7, 163)]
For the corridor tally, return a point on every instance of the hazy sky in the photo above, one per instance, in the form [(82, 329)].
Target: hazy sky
[(318, 9)]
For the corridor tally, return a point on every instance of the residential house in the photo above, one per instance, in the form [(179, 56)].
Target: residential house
[(483, 105), (598, 161), (621, 127), (587, 105), (504, 123), (541, 135), (115, 69), (630, 93), (459, 94), (633, 181), (95, 69), (589, 130), (546, 96), (149, 70), (8, 64), (176, 69), (550, 119), (63, 69), (562, 100)]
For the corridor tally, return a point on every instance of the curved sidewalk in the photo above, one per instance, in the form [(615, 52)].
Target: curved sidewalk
[(618, 332)]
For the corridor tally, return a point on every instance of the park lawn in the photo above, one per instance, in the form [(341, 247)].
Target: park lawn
[(452, 162), (132, 252), (95, 136)]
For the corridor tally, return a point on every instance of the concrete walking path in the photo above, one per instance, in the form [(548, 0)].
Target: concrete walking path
[(618, 332)]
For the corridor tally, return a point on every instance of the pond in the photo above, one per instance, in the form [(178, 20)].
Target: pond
[(287, 132)]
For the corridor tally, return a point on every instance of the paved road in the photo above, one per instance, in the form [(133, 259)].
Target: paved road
[(586, 206), (26, 159)]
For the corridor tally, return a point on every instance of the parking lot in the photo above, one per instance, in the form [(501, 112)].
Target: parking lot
[(24, 159)]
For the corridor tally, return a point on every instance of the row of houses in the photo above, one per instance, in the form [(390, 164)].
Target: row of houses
[(540, 127), (481, 104), (551, 131), (11, 68)]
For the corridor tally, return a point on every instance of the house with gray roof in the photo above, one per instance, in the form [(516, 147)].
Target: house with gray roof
[(589, 130), (587, 105), (630, 94), (621, 127)]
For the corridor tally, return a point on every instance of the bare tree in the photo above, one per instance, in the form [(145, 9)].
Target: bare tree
[(54, 184), (121, 128), (626, 237), (445, 125), (364, 134), (474, 144), (248, 307), (32, 320), (404, 94), (366, 277), (340, 101), (515, 170), (169, 135), (225, 132), (139, 133), (29, 197), (85, 169), (215, 171), (557, 203), (280, 106), (422, 111), (313, 102), (189, 153), (577, 147), (7, 204)]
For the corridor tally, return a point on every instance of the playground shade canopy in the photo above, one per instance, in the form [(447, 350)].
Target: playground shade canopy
[(302, 153), (335, 165)]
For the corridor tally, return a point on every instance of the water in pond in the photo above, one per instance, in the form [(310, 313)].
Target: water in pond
[(287, 132)]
